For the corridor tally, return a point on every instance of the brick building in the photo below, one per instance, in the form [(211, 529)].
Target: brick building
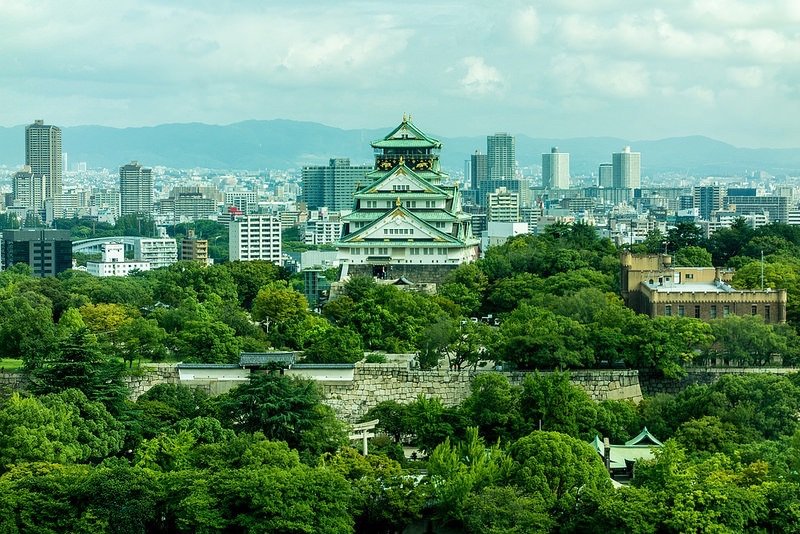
[(650, 284)]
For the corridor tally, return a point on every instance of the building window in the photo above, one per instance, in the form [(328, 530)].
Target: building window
[(681, 310), (697, 312), (766, 313), (753, 310), (689, 276), (713, 311), (726, 310), (668, 310)]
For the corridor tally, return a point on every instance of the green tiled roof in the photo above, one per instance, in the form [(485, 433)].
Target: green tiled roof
[(407, 135)]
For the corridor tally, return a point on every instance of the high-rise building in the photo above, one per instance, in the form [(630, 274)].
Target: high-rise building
[(501, 157), (43, 156), (255, 237), (48, 252), (555, 169), (627, 168), (479, 171), (29, 189), (708, 198), (135, 189), (503, 206), (333, 186), (605, 175)]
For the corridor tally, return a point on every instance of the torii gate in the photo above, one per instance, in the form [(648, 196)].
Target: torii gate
[(362, 431)]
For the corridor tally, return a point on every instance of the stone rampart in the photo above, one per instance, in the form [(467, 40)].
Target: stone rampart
[(375, 383), (149, 376), (652, 383)]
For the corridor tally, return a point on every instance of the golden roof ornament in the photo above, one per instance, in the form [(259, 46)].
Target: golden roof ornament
[(397, 202), (402, 161), (404, 117)]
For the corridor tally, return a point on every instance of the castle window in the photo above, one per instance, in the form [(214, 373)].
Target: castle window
[(668, 310), (713, 311), (681, 310), (726, 310), (697, 312), (753, 310), (766, 313)]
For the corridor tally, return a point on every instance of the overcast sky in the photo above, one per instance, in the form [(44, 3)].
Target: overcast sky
[(638, 70)]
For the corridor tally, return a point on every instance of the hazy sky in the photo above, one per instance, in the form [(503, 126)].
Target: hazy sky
[(638, 70)]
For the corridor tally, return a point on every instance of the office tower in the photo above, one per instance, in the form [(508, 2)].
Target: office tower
[(29, 189), (333, 186), (605, 175), (255, 237), (555, 169), (48, 252), (707, 199), (479, 170), (43, 156), (501, 158), (135, 189), (503, 206), (627, 169)]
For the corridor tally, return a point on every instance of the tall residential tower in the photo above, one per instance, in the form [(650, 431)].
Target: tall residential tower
[(501, 156), (627, 169), (555, 169), (135, 189), (43, 156)]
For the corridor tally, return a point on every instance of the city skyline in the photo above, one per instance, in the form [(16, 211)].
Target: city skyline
[(722, 69)]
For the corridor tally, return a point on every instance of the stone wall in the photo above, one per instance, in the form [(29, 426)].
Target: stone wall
[(375, 383), (151, 375), (652, 383), (10, 382)]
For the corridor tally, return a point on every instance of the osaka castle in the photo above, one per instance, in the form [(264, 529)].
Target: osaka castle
[(406, 223)]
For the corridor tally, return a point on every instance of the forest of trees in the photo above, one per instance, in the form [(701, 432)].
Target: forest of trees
[(77, 455)]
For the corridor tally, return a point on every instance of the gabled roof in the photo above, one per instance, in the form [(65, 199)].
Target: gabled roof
[(407, 175), (644, 438), (407, 135), (249, 359), (400, 211)]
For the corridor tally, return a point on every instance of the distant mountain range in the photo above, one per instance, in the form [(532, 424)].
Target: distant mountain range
[(283, 144)]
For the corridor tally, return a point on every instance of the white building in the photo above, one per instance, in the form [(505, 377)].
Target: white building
[(498, 233), (113, 262), (503, 206), (322, 231), (255, 237), (158, 251), (555, 169)]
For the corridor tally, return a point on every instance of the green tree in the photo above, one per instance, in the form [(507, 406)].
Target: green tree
[(75, 362), (692, 256), (552, 402), (456, 471), (536, 338), (559, 468), (385, 498), (277, 305), (283, 408), (335, 345), (492, 406)]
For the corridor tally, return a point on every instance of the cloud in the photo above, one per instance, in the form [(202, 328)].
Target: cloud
[(525, 26), (746, 77), (480, 78)]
